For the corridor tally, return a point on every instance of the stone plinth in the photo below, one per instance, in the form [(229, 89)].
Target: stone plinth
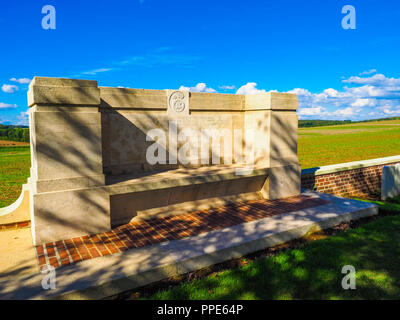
[(390, 181)]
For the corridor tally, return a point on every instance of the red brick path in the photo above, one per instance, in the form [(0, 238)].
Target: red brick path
[(156, 230)]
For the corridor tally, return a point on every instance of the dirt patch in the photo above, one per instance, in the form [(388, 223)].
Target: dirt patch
[(6, 143)]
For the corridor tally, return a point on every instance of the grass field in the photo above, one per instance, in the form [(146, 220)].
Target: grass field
[(14, 171), (317, 146), (312, 271), (344, 143)]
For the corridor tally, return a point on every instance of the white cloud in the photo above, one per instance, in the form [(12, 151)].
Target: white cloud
[(376, 80), (388, 111), (249, 88), (300, 92), (21, 80), (7, 106), (96, 71), (227, 87), (200, 87), (9, 88), (364, 102), (344, 112), (367, 72), (377, 96), (313, 111), (331, 92)]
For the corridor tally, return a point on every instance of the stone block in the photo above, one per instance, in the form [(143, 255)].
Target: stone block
[(390, 181), (71, 213), (44, 90), (282, 182)]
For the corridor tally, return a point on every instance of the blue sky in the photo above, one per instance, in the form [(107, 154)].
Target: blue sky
[(213, 46)]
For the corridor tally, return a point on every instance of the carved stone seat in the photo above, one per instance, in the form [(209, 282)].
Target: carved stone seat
[(178, 191), (90, 145)]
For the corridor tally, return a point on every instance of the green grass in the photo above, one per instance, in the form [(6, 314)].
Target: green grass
[(14, 171), (313, 271), (344, 143)]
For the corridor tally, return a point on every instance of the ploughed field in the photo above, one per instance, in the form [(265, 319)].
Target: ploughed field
[(317, 146)]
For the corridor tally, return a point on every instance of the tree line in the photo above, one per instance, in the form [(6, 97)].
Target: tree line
[(14, 133), (322, 123)]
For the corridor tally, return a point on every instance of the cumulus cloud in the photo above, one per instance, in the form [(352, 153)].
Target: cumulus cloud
[(313, 111), (364, 102), (376, 95), (390, 112), (200, 87), (9, 88), (301, 92), (376, 80), (344, 112), (21, 80), (367, 72), (331, 92), (249, 88), (7, 106)]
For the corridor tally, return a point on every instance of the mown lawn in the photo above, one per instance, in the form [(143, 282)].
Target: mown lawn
[(337, 144), (313, 271), (14, 171)]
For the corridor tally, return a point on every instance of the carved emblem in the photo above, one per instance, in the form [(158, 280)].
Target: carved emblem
[(178, 102)]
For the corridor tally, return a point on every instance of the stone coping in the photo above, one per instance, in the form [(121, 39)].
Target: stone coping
[(60, 91), (317, 171)]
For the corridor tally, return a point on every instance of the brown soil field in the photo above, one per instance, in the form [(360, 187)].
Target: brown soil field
[(6, 143)]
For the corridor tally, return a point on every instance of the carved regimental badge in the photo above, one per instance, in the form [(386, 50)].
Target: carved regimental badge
[(178, 102)]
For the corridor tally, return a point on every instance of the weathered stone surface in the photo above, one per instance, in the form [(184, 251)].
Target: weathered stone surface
[(390, 181), (63, 91)]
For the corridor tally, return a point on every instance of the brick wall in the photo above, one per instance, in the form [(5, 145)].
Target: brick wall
[(364, 180)]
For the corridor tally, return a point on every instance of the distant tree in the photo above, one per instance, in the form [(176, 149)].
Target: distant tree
[(25, 135)]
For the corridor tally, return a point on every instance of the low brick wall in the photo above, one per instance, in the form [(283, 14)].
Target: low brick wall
[(352, 178)]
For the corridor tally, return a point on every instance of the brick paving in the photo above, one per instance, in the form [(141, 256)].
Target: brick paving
[(15, 225), (156, 230)]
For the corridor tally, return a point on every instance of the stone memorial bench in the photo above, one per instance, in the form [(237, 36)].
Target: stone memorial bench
[(104, 156), (181, 190)]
